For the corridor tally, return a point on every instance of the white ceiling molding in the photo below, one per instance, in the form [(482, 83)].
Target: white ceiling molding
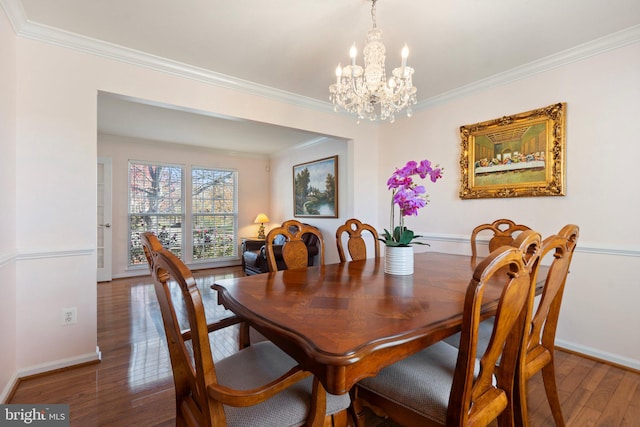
[(54, 36), (15, 13), (25, 28), (612, 41)]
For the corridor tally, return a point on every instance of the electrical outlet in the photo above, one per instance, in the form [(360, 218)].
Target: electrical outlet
[(69, 316)]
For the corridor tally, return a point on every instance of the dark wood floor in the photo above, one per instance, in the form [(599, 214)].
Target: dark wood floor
[(132, 384)]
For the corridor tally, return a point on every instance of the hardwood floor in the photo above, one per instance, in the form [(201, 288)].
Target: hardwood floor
[(132, 385)]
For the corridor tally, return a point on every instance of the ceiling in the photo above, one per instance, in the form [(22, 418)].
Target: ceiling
[(124, 116), (294, 45)]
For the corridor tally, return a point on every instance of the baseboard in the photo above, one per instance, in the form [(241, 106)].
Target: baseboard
[(59, 364), (56, 365), (600, 356), (9, 389), (46, 368), (144, 270)]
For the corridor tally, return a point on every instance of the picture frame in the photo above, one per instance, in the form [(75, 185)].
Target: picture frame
[(315, 188), (522, 155)]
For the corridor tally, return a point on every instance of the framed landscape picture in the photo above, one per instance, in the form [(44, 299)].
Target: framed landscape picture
[(315, 188), (515, 156)]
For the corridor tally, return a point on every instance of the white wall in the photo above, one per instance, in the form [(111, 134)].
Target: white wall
[(253, 185), (56, 134), (599, 314), (56, 197), (8, 211), (55, 185), (282, 190)]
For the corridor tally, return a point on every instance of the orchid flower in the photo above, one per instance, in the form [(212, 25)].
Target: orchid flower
[(409, 197)]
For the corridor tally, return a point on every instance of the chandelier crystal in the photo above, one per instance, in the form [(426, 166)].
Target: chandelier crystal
[(366, 91)]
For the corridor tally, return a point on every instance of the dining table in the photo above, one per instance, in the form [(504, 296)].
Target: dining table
[(347, 321)]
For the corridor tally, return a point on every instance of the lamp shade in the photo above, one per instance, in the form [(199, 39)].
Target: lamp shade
[(261, 219)]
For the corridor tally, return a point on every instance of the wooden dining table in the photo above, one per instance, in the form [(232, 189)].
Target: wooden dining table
[(345, 322)]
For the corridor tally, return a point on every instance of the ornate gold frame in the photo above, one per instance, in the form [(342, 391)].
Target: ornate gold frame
[(529, 143)]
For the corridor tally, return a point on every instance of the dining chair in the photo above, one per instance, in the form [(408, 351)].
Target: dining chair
[(442, 385), (540, 338), (529, 242), (151, 243), (504, 233), (294, 250), (258, 385), (356, 245)]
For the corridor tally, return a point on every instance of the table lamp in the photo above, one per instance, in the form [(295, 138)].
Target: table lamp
[(261, 219)]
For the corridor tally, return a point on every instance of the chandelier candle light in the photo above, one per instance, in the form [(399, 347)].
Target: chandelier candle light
[(366, 91)]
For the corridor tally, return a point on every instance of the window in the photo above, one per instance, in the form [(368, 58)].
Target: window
[(214, 213), (155, 204), (201, 228)]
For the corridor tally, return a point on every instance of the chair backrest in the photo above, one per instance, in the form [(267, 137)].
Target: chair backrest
[(294, 249), (478, 399), (542, 331), (150, 243), (200, 399), (529, 242), (356, 244), (191, 374), (504, 233)]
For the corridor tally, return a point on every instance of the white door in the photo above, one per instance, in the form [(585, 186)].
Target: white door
[(104, 219)]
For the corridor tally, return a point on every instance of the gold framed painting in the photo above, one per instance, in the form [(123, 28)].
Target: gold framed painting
[(522, 155), (315, 188)]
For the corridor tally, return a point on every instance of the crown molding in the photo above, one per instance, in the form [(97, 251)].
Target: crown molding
[(15, 12), (595, 47), (46, 34), (57, 37)]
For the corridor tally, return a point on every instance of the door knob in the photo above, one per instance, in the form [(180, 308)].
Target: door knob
[(107, 225)]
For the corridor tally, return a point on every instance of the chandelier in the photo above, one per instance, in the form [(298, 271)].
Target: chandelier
[(366, 91)]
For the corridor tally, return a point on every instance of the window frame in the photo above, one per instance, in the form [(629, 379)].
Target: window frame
[(129, 214), (187, 215), (192, 214)]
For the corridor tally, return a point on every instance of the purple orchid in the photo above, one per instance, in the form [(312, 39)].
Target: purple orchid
[(409, 197)]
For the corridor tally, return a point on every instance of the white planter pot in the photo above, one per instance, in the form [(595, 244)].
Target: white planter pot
[(398, 260)]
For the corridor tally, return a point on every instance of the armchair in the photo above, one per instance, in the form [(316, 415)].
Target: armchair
[(254, 258)]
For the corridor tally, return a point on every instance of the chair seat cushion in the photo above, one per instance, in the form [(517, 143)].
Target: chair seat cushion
[(255, 366), (485, 329), (251, 257), (421, 383)]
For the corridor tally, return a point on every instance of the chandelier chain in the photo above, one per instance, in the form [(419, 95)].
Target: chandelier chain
[(373, 13)]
